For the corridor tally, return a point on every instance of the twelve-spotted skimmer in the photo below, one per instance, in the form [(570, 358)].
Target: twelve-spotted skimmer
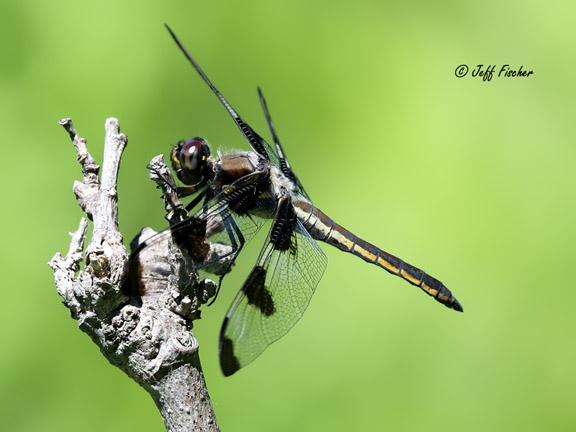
[(240, 190)]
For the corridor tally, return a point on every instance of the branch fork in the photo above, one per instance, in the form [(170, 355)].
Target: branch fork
[(144, 327)]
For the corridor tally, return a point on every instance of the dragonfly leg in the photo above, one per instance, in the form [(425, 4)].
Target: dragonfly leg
[(184, 191), (237, 242), (195, 201)]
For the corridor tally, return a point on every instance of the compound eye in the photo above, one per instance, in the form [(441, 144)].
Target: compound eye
[(192, 155)]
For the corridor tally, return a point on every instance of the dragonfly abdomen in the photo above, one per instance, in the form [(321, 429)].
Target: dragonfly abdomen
[(324, 229)]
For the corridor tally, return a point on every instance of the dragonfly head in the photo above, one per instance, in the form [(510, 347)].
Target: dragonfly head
[(190, 160)]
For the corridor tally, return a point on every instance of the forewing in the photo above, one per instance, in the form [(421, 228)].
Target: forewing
[(215, 232), (283, 163), (256, 141), (272, 300)]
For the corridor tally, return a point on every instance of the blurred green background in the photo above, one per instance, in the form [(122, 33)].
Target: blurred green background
[(472, 181)]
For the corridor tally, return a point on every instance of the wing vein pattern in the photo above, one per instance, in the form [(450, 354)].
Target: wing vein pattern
[(273, 298)]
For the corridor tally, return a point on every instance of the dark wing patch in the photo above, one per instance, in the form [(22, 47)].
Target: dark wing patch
[(191, 237), (263, 313), (283, 226), (256, 292), (256, 141), (216, 224), (228, 360)]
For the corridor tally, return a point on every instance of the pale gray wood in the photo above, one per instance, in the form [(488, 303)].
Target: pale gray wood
[(148, 336)]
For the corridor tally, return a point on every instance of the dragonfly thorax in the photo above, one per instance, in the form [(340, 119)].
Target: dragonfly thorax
[(281, 183)]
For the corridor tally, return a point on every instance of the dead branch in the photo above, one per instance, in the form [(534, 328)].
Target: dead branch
[(143, 326)]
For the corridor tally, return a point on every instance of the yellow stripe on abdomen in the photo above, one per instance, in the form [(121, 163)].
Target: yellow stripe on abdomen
[(387, 266), (342, 240), (409, 277), (322, 228), (433, 292), (364, 253)]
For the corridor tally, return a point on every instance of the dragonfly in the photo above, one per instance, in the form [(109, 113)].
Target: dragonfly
[(240, 190)]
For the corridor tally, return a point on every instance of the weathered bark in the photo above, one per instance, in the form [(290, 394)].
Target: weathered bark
[(145, 332)]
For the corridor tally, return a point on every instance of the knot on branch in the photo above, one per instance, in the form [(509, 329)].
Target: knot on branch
[(138, 311)]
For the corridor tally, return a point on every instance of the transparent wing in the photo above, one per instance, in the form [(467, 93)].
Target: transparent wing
[(256, 141), (217, 232), (283, 163), (272, 300)]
